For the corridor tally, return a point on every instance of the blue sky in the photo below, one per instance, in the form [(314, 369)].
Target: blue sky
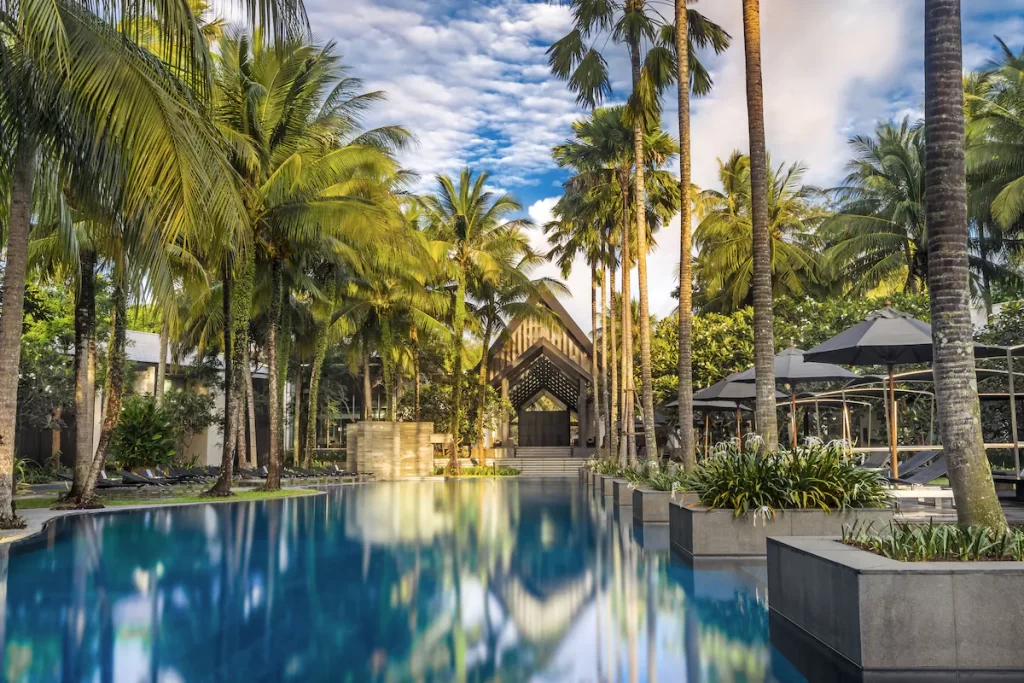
[(470, 79)]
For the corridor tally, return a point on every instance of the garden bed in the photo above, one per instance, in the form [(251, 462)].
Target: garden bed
[(697, 530), (885, 615), (652, 506)]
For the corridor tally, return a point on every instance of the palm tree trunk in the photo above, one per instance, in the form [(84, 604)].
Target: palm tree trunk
[(250, 408), (85, 371), (230, 433), (15, 269), (240, 309), (594, 367), (482, 400), (686, 442), (457, 328), (313, 409), (628, 442), (986, 281), (416, 375), (764, 344), (297, 440), (367, 384), (605, 405), (956, 391), (613, 419), (387, 368), (161, 364), (113, 388), (640, 215), (274, 377)]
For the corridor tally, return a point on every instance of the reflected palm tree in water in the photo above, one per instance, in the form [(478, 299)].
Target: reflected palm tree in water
[(469, 581)]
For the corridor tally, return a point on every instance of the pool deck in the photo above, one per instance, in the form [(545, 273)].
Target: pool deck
[(36, 519)]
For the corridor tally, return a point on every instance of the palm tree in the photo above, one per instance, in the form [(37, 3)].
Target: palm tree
[(602, 192), (650, 45), (719, 40), (309, 174), (956, 393), (83, 95), (473, 235), (724, 236), (764, 344)]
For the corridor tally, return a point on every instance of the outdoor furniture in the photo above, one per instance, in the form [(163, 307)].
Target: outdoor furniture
[(887, 337), (918, 461), (792, 368), (140, 479), (937, 469)]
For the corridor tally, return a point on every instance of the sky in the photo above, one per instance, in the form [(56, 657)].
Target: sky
[(470, 80)]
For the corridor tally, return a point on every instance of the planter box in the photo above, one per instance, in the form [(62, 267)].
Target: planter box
[(608, 486), (885, 616), (621, 493), (699, 531), (652, 506), (595, 482)]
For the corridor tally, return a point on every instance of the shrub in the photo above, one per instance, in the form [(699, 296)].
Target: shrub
[(664, 481), (745, 478), (481, 471), (609, 467), (937, 542), (144, 434), (190, 413)]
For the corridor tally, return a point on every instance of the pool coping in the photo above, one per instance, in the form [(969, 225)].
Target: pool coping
[(38, 519)]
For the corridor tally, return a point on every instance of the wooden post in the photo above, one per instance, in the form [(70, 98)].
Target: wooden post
[(892, 425), (1013, 412), (792, 415), (739, 424), (707, 433)]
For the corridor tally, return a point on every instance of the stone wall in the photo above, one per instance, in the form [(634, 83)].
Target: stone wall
[(391, 450)]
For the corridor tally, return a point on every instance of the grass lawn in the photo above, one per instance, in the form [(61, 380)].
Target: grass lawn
[(46, 502)]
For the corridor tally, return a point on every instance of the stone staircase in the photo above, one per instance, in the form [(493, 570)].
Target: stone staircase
[(544, 461)]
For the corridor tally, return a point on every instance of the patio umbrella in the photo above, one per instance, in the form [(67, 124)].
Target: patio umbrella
[(792, 368), (887, 337)]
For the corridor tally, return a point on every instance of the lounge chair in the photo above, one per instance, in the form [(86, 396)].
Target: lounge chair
[(139, 479), (104, 482), (916, 462), (876, 461), (937, 469)]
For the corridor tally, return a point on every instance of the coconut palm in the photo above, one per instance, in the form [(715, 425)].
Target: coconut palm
[(761, 270), (724, 235), (650, 44), (718, 40), (956, 392), (123, 123), (290, 119), (603, 192), (474, 237)]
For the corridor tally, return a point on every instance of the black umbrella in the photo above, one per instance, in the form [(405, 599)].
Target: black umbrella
[(730, 393), (792, 368), (887, 337)]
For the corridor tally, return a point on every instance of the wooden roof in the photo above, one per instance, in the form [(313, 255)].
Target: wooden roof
[(551, 301)]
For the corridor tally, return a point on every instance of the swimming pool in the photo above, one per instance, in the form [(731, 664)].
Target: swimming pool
[(478, 580)]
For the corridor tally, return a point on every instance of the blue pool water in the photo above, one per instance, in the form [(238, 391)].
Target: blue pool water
[(481, 580)]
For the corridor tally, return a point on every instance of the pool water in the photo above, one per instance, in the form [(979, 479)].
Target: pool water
[(479, 580)]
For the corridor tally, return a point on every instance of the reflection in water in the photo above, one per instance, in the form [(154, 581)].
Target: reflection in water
[(414, 581)]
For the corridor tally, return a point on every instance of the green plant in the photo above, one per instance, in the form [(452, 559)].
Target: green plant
[(190, 413), (937, 542), (144, 434), (747, 479), (481, 471), (609, 467), (665, 481)]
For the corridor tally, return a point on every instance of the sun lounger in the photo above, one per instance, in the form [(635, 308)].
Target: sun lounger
[(937, 469), (916, 462), (875, 461), (139, 479)]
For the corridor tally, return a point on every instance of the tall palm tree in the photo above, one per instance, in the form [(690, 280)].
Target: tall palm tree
[(764, 343), (719, 40), (474, 235), (308, 173), (80, 92), (649, 42), (724, 236), (602, 192), (956, 393)]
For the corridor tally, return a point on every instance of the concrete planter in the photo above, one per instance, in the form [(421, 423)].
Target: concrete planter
[(697, 531), (883, 616), (596, 483), (652, 506), (621, 493), (608, 484)]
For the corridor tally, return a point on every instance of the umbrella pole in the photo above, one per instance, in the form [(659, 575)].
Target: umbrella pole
[(892, 425), (739, 424), (817, 418), (842, 420), (707, 433), (1013, 412), (792, 415), (871, 422)]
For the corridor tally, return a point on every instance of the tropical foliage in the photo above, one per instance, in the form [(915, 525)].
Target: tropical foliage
[(748, 479), (938, 542)]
